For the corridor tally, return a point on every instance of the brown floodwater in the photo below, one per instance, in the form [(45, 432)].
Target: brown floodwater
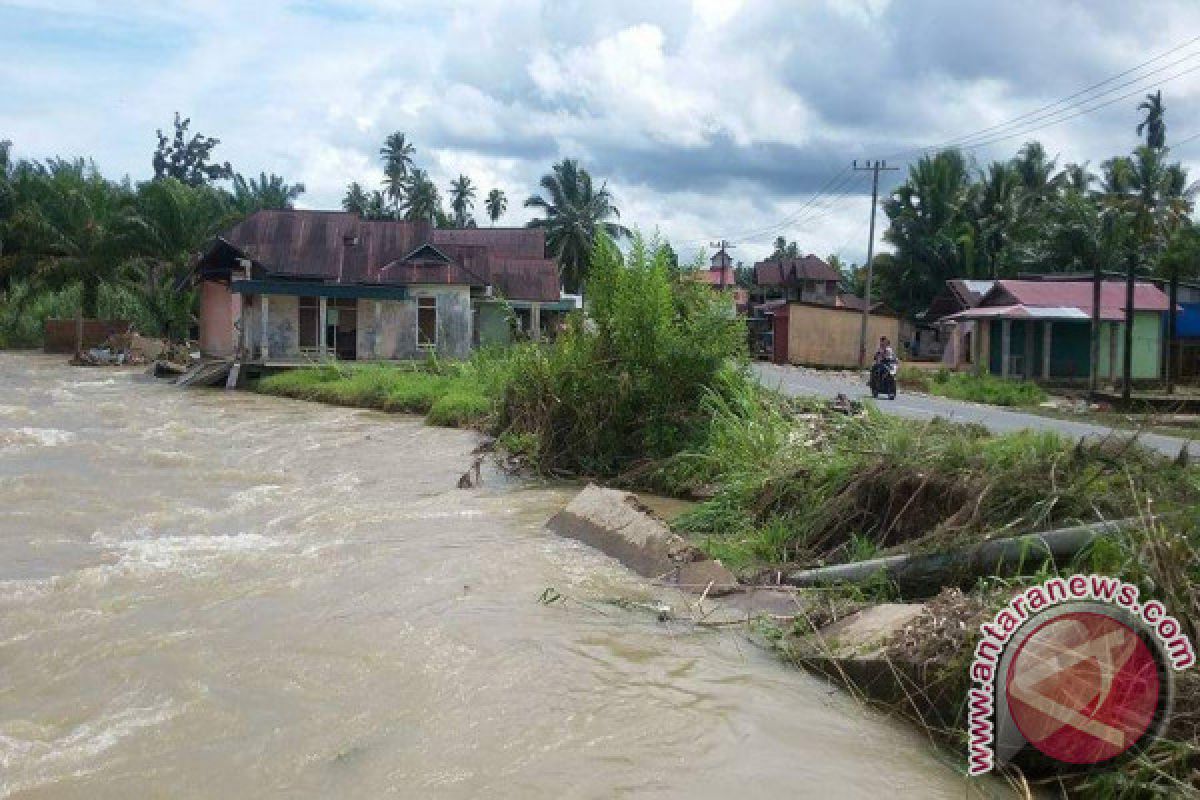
[(211, 594)]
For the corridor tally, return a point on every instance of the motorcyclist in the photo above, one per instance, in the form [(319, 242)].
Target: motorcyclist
[(883, 373), (885, 354)]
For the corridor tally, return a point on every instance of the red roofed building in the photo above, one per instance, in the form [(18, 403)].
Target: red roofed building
[(289, 286), (1041, 329), (720, 275)]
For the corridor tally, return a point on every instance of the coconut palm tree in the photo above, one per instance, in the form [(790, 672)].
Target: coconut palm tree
[(462, 200), (69, 218), (422, 201), (496, 204), (1153, 124), (1116, 178), (397, 154), (356, 199), (264, 192), (1077, 178), (928, 231), (996, 209), (163, 230), (1036, 172), (573, 212)]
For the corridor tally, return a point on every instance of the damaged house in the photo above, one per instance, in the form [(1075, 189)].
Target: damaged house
[(284, 287)]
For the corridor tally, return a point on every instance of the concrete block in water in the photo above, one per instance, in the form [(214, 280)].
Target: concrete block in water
[(617, 524)]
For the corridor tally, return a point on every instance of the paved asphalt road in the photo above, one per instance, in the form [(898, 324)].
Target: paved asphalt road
[(797, 381)]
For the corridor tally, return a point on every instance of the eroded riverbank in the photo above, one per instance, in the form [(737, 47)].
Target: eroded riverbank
[(223, 594)]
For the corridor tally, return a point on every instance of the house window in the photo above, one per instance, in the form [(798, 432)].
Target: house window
[(310, 313), (427, 322)]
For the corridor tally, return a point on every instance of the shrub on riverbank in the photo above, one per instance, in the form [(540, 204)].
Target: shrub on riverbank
[(628, 385), (972, 387)]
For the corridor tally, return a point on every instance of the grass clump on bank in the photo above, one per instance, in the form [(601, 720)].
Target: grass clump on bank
[(972, 387), (450, 395)]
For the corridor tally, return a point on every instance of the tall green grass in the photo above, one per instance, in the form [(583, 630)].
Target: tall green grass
[(452, 396)]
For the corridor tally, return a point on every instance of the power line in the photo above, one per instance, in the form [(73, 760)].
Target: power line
[(817, 195), (1089, 110), (1191, 138), (819, 211), (1040, 113)]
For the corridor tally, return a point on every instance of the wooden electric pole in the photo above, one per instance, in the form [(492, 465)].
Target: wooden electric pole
[(723, 247), (874, 167)]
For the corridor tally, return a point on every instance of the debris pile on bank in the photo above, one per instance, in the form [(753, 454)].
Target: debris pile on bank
[(122, 349)]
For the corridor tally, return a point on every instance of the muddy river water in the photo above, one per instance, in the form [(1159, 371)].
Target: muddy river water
[(211, 594)]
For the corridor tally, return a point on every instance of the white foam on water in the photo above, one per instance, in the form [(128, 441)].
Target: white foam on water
[(181, 552), (21, 438), (26, 763)]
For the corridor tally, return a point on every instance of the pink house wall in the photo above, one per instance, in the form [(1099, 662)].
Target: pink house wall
[(216, 319)]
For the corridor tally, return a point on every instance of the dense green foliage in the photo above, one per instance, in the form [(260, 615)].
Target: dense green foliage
[(954, 219), (628, 385), (73, 241)]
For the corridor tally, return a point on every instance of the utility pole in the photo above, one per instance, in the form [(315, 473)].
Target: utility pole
[(723, 247), (874, 167)]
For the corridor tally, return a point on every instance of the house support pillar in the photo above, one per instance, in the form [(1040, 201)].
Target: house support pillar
[(238, 332), (1005, 346), (535, 321), (378, 340), (1047, 337), (265, 344), (322, 331), (1028, 368)]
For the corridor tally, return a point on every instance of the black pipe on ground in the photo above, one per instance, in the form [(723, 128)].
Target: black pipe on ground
[(925, 574)]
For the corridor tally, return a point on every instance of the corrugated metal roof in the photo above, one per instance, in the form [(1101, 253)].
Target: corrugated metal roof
[(790, 271), (1018, 311), (1146, 296), (341, 247)]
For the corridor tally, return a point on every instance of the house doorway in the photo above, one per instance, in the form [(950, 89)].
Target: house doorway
[(341, 328)]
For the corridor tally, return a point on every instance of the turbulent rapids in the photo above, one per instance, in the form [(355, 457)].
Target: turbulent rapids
[(211, 594)]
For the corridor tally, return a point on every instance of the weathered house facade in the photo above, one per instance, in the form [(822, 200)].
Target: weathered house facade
[(294, 286), (1041, 330), (805, 318)]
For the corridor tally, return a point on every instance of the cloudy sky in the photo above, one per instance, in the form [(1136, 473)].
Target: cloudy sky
[(708, 118)]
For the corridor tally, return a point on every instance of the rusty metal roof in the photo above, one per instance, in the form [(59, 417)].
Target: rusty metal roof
[(341, 247), (791, 271)]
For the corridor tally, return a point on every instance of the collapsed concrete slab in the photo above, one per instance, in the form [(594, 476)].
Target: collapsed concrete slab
[(618, 524), (855, 652)]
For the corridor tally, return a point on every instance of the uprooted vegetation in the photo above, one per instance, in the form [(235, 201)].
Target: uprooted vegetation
[(800, 485)]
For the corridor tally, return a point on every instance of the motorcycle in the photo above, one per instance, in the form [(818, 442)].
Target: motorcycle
[(883, 378)]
